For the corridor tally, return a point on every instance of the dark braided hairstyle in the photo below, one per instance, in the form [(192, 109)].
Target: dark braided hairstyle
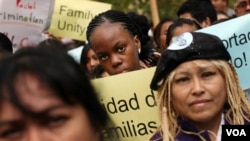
[(115, 16)]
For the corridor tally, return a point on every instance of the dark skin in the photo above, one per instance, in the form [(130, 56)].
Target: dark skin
[(116, 48)]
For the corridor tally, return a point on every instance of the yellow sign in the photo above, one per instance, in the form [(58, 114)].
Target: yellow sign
[(70, 19), (130, 103)]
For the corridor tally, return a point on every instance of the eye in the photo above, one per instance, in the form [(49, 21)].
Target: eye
[(208, 74), (121, 49), (55, 121), (166, 32), (181, 80), (103, 57), (12, 132)]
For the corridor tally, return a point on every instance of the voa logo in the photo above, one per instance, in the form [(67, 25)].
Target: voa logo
[(236, 132)]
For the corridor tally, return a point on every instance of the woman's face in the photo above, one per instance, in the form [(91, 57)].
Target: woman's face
[(56, 120), (163, 35), (242, 7), (184, 28), (92, 60), (220, 5), (198, 92), (116, 48)]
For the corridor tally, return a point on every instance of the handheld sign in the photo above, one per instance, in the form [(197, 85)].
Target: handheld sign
[(24, 21), (70, 19)]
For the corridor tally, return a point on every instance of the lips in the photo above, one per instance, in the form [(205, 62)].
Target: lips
[(199, 102)]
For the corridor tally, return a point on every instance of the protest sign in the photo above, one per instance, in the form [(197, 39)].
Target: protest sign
[(235, 35), (24, 21), (70, 19), (132, 104)]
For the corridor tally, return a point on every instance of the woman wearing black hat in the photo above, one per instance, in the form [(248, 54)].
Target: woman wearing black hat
[(198, 90)]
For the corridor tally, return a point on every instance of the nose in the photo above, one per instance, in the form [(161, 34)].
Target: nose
[(35, 135), (115, 60), (248, 7), (197, 88)]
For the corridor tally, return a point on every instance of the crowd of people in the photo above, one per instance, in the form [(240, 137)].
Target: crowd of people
[(198, 88)]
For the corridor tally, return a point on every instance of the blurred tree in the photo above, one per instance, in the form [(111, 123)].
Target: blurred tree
[(166, 8)]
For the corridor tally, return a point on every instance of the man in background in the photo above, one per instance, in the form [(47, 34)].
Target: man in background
[(242, 7)]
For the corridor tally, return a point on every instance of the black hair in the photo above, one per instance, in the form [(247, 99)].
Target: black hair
[(147, 51), (98, 71), (112, 16), (157, 30), (84, 59), (53, 42), (59, 72), (178, 23), (5, 44), (142, 23), (199, 9), (116, 16)]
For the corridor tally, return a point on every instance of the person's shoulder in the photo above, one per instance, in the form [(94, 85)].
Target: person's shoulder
[(156, 137)]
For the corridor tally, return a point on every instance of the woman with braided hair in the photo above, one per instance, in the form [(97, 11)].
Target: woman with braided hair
[(198, 90), (117, 42)]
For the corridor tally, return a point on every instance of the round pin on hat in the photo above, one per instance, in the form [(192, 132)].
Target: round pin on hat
[(187, 47), (181, 42)]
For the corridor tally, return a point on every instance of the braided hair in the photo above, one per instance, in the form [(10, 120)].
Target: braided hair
[(112, 16), (236, 108)]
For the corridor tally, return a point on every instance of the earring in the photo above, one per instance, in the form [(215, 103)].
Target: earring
[(139, 50)]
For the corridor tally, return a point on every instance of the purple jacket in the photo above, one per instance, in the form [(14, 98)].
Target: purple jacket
[(181, 136)]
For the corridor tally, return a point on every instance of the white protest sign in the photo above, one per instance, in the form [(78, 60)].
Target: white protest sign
[(23, 21), (235, 35)]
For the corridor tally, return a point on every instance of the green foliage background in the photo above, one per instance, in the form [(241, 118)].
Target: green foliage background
[(166, 8)]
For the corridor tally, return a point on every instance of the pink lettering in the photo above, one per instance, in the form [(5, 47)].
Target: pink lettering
[(28, 5), (24, 41)]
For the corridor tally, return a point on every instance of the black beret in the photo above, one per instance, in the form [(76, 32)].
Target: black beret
[(187, 47)]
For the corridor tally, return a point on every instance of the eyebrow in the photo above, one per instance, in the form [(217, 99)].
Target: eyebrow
[(8, 122), (50, 108), (117, 44), (39, 113)]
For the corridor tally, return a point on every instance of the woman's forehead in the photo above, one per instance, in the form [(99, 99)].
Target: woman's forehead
[(196, 63), (33, 93)]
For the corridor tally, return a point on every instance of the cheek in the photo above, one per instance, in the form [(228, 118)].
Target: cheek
[(219, 89), (163, 39), (80, 129), (88, 67), (131, 55), (106, 66), (178, 100)]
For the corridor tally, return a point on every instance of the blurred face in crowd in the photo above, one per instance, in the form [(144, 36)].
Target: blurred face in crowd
[(50, 119), (92, 60), (242, 7), (116, 48), (184, 28), (203, 24), (163, 34), (220, 5), (221, 16), (198, 92)]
